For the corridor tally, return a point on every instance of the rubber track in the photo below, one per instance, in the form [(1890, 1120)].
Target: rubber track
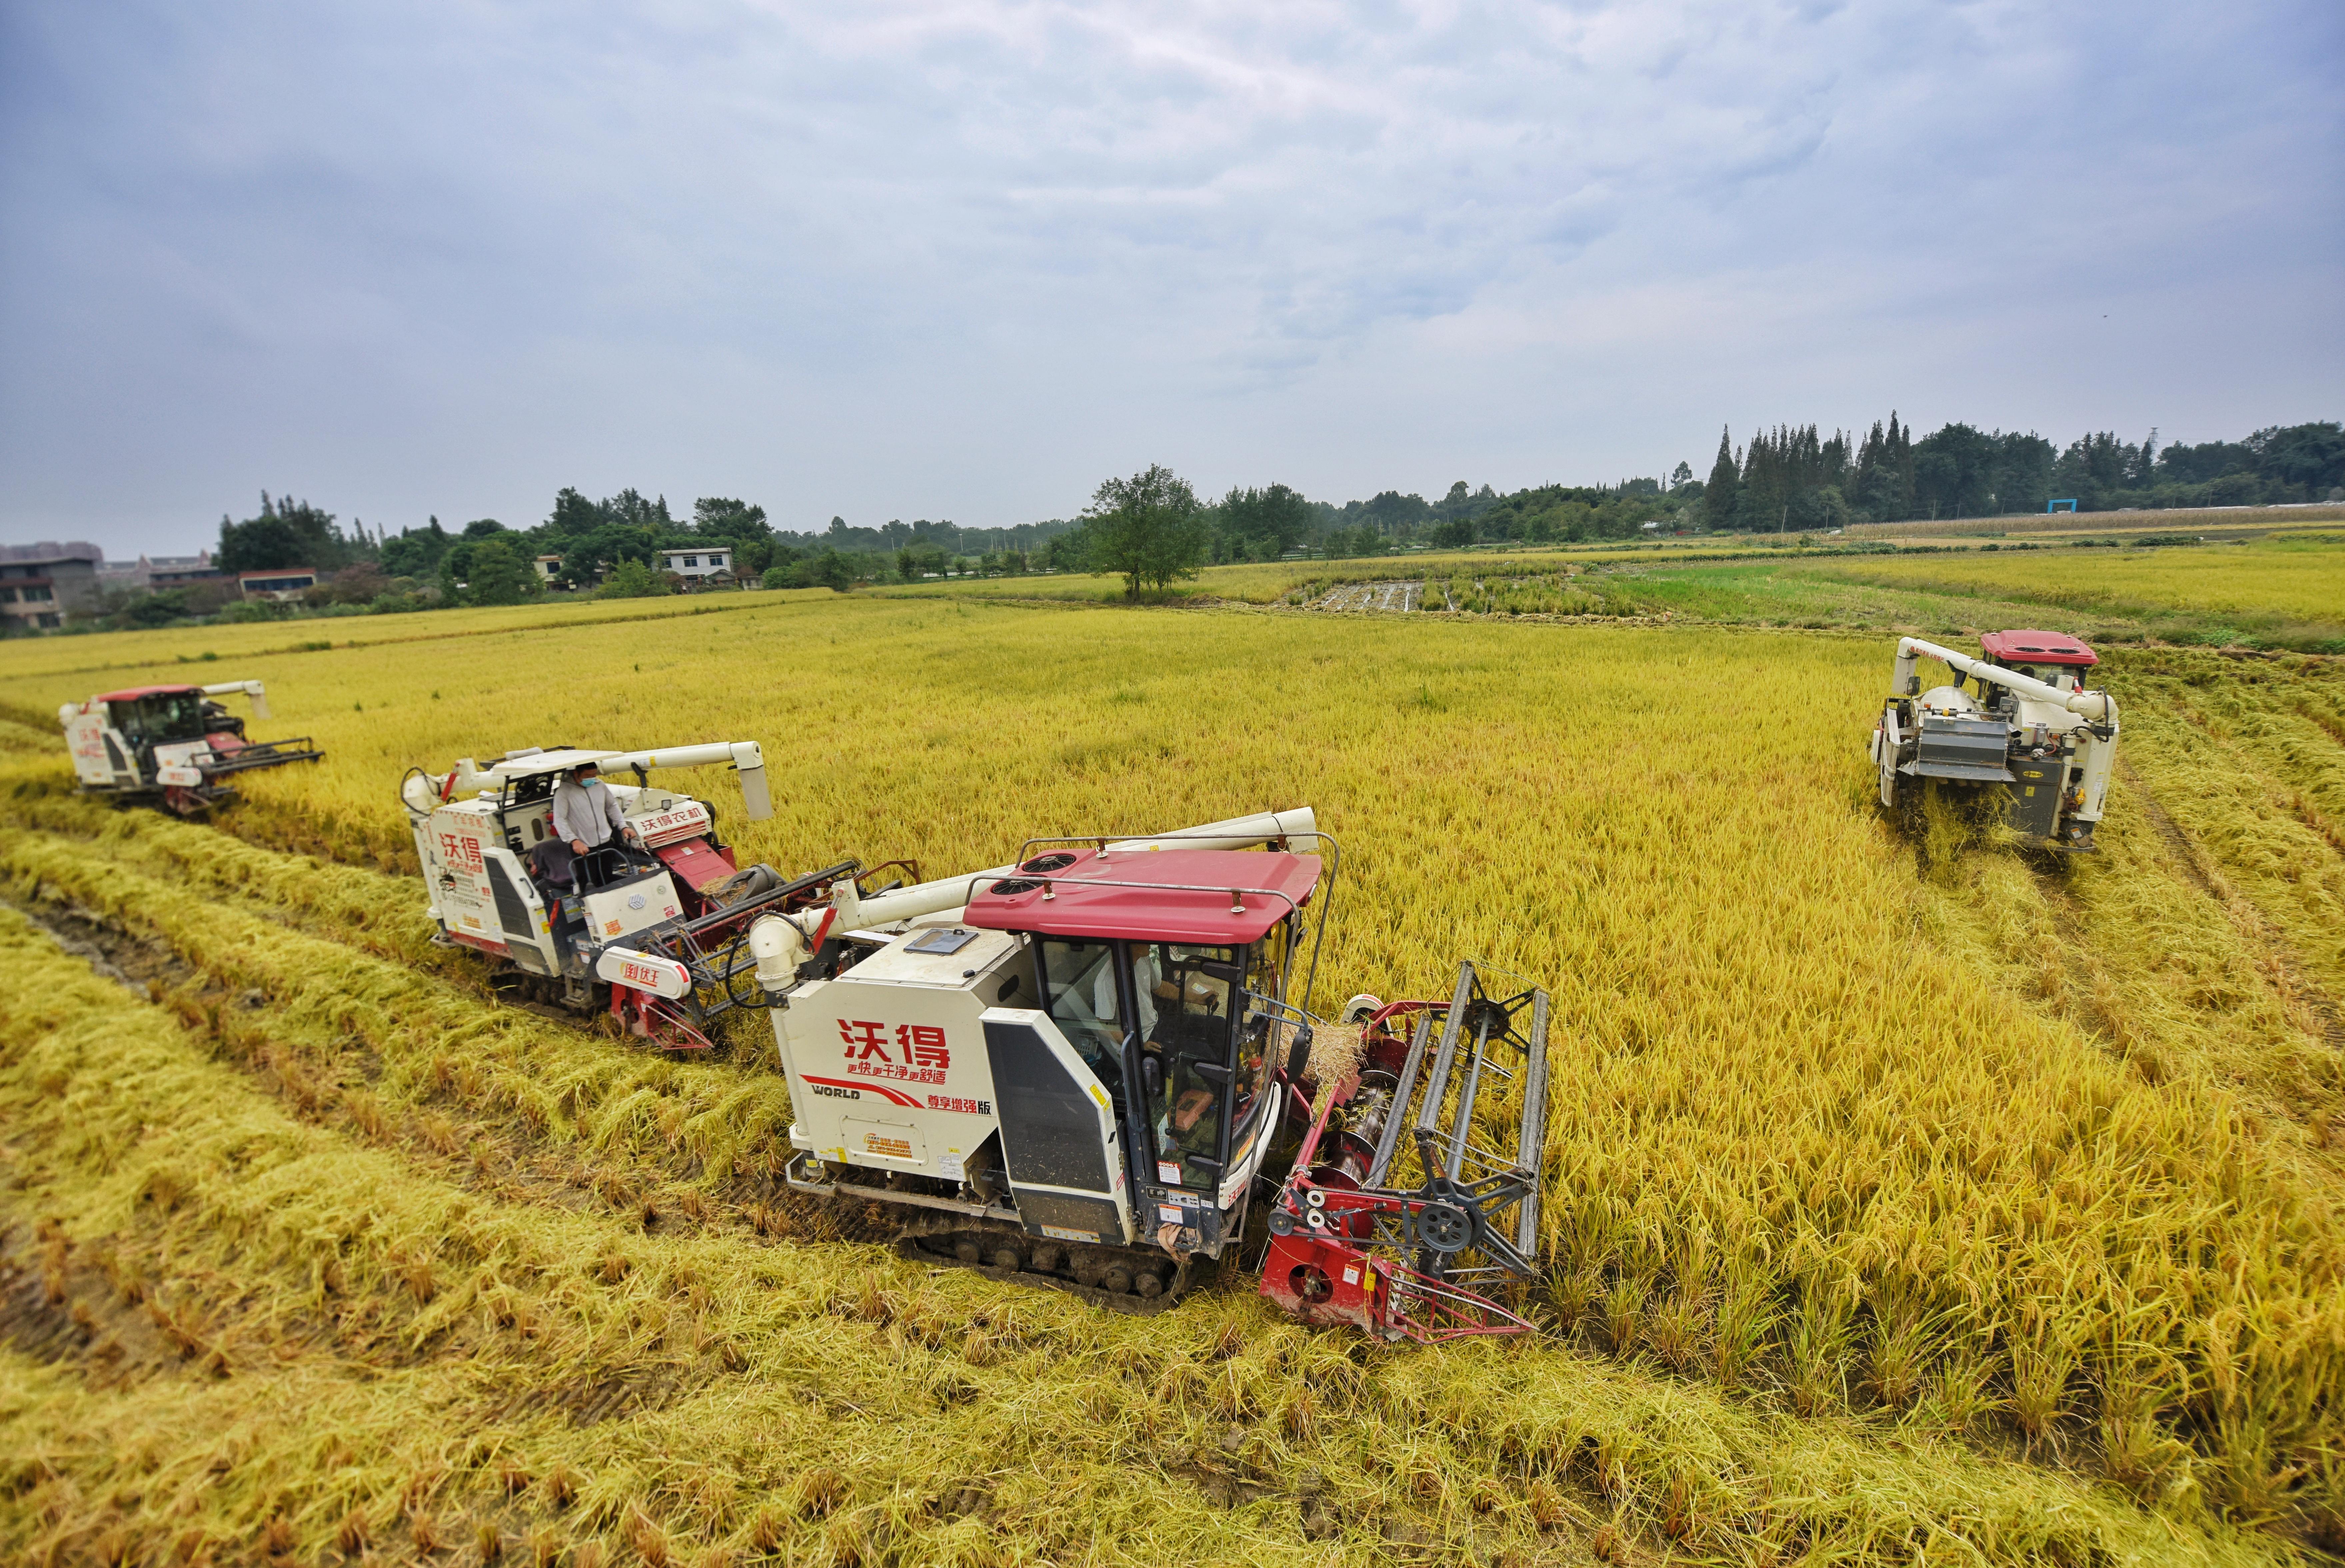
[(1184, 1277)]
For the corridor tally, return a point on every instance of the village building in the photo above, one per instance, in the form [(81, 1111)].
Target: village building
[(707, 566), (282, 584), (41, 584)]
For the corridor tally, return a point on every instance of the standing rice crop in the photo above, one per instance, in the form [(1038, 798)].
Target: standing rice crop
[(1841, 1144)]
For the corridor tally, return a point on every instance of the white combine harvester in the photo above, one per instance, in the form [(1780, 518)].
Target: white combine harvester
[(649, 926), (1058, 1006), (1084, 1069), (2032, 728), (171, 746)]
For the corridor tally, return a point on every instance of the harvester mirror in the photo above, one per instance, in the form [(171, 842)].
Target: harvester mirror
[(1298, 1055)]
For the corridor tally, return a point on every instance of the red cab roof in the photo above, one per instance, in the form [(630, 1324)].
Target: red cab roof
[(2037, 648), (132, 694), (1151, 895)]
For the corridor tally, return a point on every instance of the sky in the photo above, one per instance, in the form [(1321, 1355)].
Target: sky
[(968, 260)]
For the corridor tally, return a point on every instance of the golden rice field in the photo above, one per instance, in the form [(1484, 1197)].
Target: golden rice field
[(1911, 1201), (2286, 590), (2159, 521), (2299, 580)]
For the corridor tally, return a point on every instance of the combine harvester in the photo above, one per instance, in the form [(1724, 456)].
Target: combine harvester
[(2032, 729), (1079, 1069), (170, 746), (649, 927)]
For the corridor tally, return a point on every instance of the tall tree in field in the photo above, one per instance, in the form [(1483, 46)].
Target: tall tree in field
[(488, 568), (287, 532), (1265, 523), (1719, 496), (1148, 529)]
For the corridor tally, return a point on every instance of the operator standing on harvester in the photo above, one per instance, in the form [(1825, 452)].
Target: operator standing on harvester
[(585, 812)]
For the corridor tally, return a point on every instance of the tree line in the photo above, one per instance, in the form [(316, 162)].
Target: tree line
[(1153, 527), (612, 546), (1792, 478)]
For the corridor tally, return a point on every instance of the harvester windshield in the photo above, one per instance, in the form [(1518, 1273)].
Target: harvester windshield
[(159, 718), (1199, 1033)]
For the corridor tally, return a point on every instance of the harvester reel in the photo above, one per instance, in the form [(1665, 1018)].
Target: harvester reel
[(1445, 1227), (1887, 756), (1421, 1199)]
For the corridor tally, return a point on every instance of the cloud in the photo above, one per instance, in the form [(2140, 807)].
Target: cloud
[(964, 258)]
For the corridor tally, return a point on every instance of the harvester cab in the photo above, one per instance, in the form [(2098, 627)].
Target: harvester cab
[(2032, 727), (1074, 1064), (650, 925), (171, 746)]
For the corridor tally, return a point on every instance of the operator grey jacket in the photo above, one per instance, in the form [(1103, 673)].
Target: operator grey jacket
[(587, 813)]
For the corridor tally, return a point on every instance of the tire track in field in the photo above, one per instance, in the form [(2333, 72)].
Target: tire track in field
[(93, 1308), (2287, 797), (123, 1309), (2198, 867)]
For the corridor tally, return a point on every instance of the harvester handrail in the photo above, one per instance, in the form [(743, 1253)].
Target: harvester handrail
[(1052, 879), (1112, 843)]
